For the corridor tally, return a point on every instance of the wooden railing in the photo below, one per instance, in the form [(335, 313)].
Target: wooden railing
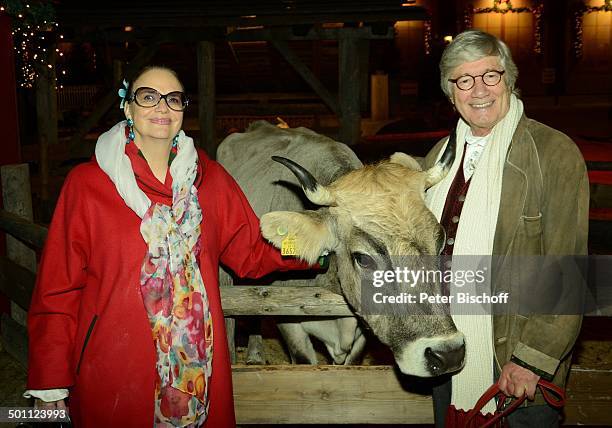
[(77, 97), (303, 394)]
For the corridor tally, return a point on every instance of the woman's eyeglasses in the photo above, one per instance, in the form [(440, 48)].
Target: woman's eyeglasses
[(149, 97), (467, 82)]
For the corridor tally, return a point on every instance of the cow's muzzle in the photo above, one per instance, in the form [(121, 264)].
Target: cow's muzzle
[(445, 360), (432, 356)]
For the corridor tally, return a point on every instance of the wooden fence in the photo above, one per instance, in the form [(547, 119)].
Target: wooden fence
[(303, 394)]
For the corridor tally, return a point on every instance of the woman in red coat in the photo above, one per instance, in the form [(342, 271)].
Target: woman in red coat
[(126, 316)]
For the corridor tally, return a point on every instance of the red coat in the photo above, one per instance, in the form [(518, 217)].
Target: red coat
[(87, 323)]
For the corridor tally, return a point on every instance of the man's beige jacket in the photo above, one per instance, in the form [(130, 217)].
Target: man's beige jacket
[(543, 211)]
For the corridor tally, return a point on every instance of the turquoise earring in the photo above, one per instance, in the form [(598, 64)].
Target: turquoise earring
[(131, 136), (175, 141)]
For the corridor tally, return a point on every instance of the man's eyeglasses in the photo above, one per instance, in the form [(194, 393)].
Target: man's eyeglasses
[(467, 82), (149, 97)]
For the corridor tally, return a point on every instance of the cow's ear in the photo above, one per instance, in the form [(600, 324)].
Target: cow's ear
[(309, 232), (406, 160)]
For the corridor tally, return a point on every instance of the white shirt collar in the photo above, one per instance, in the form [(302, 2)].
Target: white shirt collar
[(471, 139)]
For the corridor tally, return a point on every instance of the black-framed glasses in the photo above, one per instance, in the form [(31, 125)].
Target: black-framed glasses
[(149, 97), (467, 82)]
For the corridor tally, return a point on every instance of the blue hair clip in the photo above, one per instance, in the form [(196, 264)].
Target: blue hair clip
[(123, 93)]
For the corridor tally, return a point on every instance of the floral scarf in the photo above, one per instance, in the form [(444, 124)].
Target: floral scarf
[(171, 284)]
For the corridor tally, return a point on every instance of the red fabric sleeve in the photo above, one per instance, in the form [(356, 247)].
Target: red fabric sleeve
[(243, 249), (52, 318)]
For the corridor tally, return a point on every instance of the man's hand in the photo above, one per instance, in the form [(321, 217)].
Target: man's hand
[(516, 381), (51, 405)]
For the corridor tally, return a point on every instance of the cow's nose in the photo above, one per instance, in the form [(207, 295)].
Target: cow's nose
[(442, 361)]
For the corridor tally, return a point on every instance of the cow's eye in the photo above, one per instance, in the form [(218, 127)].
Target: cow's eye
[(364, 261)]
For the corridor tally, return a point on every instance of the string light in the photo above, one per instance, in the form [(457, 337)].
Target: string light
[(537, 15), (427, 36), (582, 10), (34, 31)]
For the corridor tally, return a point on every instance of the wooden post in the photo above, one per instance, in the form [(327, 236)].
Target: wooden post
[(316, 58), (206, 97), (46, 119), (17, 199), (255, 351), (230, 331), (226, 281), (364, 74), (255, 347), (44, 177), (117, 71), (46, 100), (349, 82)]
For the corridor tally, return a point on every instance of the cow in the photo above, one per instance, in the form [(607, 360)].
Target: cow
[(246, 156), (361, 215)]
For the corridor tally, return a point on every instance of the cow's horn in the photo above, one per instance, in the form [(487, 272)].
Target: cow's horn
[(315, 192), (441, 168)]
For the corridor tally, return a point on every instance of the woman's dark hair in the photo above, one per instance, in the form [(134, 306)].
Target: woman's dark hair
[(143, 70)]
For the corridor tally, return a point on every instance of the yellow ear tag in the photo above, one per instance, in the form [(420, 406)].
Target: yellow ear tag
[(288, 247)]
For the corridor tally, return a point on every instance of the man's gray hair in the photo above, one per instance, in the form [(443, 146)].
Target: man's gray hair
[(473, 45)]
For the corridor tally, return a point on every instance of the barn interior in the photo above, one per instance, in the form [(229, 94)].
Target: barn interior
[(361, 72)]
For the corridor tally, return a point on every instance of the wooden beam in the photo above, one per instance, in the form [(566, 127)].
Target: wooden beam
[(14, 339), (16, 282), (325, 395), (23, 229), (306, 74), (589, 397), (143, 35), (272, 109), (279, 300), (111, 99), (206, 97), (350, 88), (376, 395), (315, 33), (181, 19)]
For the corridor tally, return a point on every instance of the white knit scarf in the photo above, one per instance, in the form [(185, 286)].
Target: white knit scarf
[(475, 236), (110, 155)]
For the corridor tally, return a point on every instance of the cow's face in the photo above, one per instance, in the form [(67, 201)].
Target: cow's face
[(372, 216)]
